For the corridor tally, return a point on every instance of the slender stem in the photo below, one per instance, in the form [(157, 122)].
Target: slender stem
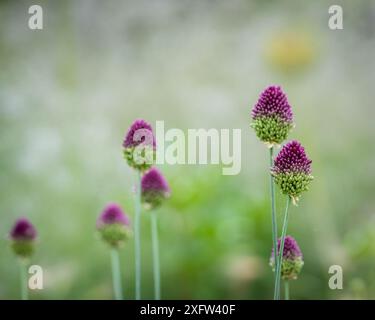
[(155, 254), (116, 276), (137, 237), (273, 216), (280, 256), (286, 287), (24, 286)]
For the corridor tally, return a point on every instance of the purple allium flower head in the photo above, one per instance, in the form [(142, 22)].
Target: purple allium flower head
[(292, 259), (273, 102), (23, 230), (153, 180), (292, 170), (291, 248), (154, 188), (22, 236), (113, 225), (112, 214), (272, 116), (292, 158), (140, 131), (140, 145)]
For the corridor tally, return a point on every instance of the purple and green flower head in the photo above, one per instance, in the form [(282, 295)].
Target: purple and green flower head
[(155, 188), (272, 116), (292, 259), (22, 237), (140, 145), (292, 170), (113, 225)]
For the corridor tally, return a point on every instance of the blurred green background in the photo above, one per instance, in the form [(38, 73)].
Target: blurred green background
[(69, 92)]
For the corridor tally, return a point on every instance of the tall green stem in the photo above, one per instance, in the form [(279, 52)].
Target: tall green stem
[(23, 277), (286, 287), (137, 236), (116, 276), (273, 217), (155, 254), (280, 256)]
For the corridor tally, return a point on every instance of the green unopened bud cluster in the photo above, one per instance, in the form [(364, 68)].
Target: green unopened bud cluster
[(140, 159), (271, 130), (293, 183), (23, 248)]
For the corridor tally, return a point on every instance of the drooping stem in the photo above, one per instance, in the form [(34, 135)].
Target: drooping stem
[(282, 241), (286, 287), (273, 217), (137, 236), (155, 254), (116, 275), (23, 277)]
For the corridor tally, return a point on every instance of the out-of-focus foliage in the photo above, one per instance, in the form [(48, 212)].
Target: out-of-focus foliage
[(69, 92)]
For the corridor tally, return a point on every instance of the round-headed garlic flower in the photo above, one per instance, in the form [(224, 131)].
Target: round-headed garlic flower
[(155, 188), (292, 170), (139, 145), (22, 236), (292, 259), (272, 116), (113, 225)]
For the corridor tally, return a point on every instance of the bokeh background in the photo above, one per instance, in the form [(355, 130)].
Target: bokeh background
[(68, 94)]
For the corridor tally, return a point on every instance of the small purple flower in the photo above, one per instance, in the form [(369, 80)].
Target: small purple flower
[(139, 132), (291, 248), (273, 102), (154, 188), (292, 170), (140, 145), (113, 225), (292, 259), (292, 158), (112, 214), (272, 116), (23, 230), (22, 236)]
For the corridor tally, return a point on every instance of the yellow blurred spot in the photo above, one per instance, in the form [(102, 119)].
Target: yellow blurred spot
[(242, 269), (290, 51)]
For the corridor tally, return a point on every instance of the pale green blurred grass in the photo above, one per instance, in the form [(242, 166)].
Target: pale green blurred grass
[(68, 94)]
